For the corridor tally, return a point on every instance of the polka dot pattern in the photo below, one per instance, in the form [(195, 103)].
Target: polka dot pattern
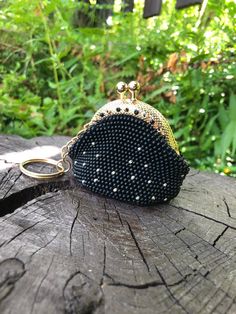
[(146, 176)]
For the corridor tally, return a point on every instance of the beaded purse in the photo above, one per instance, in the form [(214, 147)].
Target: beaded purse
[(126, 152)]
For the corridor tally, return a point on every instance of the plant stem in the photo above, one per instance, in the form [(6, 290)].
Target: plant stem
[(202, 11), (52, 54)]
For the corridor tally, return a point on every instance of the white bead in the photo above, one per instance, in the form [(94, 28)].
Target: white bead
[(98, 169), (84, 164), (113, 172), (130, 161), (75, 163), (139, 148), (83, 181), (149, 181), (115, 190), (95, 180), (84, 153), (93, 143), (97, 155), (153, 198), (182, 175), (146, 165), (165, 199), (164, 184), (133, 177), (137, 198)]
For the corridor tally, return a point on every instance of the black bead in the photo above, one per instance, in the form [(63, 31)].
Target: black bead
[(117, 138)]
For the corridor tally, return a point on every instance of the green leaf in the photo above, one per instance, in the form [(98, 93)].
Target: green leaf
[(127, 58), (228, 137), (157, 92), (232, 107), (223, 117)]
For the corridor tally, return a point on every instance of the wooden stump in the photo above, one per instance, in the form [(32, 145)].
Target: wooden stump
[(64, 249)]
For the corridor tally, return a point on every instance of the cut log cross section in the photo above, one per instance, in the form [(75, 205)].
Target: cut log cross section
[(64, 249)]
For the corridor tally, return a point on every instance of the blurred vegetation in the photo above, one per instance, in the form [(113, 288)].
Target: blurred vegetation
[(54, 75)]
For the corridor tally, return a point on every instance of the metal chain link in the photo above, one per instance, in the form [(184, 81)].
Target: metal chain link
[(64, 161), (62, 166)]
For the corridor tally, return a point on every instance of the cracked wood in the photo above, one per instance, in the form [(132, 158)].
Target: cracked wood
[(66, 250)]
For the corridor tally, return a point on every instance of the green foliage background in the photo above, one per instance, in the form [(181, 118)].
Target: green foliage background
[(54, 75)]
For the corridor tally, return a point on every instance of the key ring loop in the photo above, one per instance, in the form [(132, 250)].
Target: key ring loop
[(66, 162), (62, 166), (60, 169)]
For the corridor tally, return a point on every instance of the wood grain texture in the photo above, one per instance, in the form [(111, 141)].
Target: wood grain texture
[(66, 250)]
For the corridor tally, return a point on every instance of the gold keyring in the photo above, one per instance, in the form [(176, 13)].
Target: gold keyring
[(60, 169)]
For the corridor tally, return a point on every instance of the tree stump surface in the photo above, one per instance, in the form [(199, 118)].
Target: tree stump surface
[(64, 249)]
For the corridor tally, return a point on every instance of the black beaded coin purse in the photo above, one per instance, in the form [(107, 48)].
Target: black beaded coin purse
[(126, 152)]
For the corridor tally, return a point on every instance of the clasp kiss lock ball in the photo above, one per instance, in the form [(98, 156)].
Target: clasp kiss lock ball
[(133, 88)]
